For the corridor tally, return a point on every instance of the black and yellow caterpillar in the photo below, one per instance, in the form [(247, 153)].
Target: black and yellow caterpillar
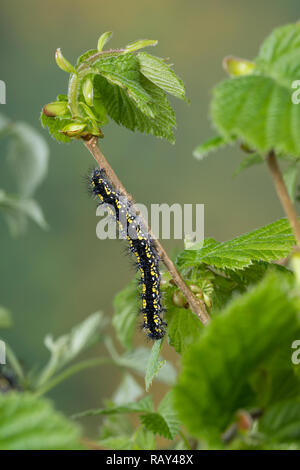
[(141, 246)]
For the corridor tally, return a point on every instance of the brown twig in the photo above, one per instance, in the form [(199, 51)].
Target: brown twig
[(284, 195), (196, 305)]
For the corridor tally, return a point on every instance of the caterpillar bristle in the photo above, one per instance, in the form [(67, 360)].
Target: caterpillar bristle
[(141, 246)]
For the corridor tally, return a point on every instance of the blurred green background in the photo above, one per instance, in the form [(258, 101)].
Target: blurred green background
[(51, 280)]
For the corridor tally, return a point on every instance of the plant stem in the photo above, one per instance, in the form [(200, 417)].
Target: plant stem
[(196, 305), (65, 374), (284, 195)]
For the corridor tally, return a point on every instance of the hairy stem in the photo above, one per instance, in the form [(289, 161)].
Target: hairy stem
[(196, 305), (284, 195)]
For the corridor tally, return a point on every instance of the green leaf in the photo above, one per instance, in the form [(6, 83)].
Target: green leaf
[(128, 87), (269, 243), (84, 57), (140, 44), (281, 422), (279, 54), (144, 440), (161, 74), (104, 38), (65, 348), (184, 328), (28, 156), (27, 423), (142, 406), (258, 108), (138, 359), (210, 145), (125, 314), (124, 111), (165, 421), (55, 125), (247, 162), (16, 210), (117, 443), (216, 372), (5, 318), (154, 363)]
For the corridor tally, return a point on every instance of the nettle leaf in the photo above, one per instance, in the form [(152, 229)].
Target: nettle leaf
[(249, 332), (269, 243), (258, 108), (28, 423)]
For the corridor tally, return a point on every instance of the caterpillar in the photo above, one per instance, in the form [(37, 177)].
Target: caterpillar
[(140, 245)]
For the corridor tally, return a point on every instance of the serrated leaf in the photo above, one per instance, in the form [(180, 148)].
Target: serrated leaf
[(5, 318), (209, 146), (142, 406), (250, 331), (269, 243), (184, 328), (65, 348), (258, 108), (55, 125), (281, 422), (161, 74), (125, 314), (123, 91), (27, 423), (154, 363), (165, 421), (279, 54), (28, 156), (123, 110)]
